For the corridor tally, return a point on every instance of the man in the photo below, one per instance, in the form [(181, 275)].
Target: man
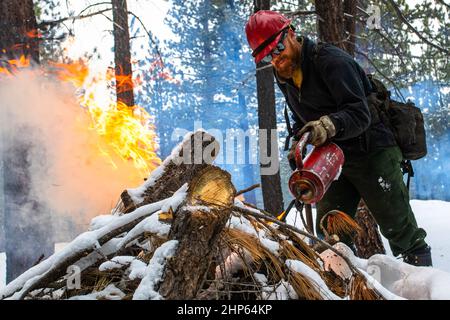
[(326, 91)]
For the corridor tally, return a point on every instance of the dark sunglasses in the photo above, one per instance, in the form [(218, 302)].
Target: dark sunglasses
[(277, 50)]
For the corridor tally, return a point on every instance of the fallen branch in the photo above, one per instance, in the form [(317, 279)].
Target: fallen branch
[(248, 189)]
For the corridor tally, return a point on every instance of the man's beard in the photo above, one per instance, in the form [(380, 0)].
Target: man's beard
[(288, 72)]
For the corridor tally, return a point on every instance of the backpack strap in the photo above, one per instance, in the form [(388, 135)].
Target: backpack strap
[(289, 129), (407, 168)]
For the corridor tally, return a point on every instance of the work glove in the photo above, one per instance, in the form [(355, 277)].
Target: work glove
[(321, 130)]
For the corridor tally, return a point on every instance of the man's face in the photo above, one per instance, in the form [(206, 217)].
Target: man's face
[(289, 58)]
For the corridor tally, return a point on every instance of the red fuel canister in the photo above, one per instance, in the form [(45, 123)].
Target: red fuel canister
[(316, 172)]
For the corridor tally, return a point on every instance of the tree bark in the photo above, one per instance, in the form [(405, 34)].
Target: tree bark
[(350, 25), (330, 21), (18, 29), (267, 119), (197, 230), (122, 55), (336, 23), (369, 241)]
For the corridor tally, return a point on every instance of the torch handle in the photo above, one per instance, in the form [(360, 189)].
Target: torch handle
[(299, 149)]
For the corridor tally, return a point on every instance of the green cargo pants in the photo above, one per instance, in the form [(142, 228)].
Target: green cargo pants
[(377, 178)]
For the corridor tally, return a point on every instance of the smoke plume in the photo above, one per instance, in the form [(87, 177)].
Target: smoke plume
[(69, 171)]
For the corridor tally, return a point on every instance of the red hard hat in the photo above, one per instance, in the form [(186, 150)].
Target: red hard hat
[(263, 31)]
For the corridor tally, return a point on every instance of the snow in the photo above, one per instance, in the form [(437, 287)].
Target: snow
[(137, 269), (386, 186), (397, 280), (111, 292), (261, 278), (174, 201), (242, 224), (282, 291), (116, 263), (388, 275), (136, 194), (154, 272), (85, 241), (409, 281), (101, 221), (300, 267), (432, 215), (198, 208), (233, 263), (150, 224), (108, 248)]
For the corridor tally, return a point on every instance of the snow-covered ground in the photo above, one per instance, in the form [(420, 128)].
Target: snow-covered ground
[(434, 217)]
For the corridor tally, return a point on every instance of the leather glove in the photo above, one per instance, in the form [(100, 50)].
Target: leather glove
[(321, 130)]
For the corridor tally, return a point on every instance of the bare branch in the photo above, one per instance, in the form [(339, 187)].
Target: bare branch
[(418, 33), (248, 189), (150, 37), (443, 3), (301, 13), (381, 73), (284, 225), (55, 22)]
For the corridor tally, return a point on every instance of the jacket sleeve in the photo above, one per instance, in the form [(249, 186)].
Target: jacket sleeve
[(297, 124), (343, 80)]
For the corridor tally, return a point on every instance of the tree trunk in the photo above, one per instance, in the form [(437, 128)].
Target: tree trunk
[(18, 29), (197, 226), (350, 25), (267, 118), (369, 241), (122, 55), (338, 29), (330, 21)]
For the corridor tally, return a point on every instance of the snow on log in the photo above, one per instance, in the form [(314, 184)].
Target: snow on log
[(194, 153)]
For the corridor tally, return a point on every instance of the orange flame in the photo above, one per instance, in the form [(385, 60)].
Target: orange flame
[(126, 132)]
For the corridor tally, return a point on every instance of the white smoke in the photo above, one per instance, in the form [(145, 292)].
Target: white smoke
[(69, 173)]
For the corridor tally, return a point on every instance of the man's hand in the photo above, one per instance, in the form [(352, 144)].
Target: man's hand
[(321, 130)]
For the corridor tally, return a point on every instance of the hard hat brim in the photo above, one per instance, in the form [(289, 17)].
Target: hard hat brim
[(271, 45)]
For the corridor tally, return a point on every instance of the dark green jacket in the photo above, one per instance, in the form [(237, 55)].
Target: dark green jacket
[(335, 85)]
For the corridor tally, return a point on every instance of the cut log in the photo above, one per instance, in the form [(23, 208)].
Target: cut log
[(368, 242), (196, 226), (176, 174)]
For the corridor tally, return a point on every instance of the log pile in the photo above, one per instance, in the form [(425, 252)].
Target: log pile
[(184, 235)]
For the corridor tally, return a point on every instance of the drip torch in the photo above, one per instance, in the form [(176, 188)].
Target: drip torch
[(315, 173)]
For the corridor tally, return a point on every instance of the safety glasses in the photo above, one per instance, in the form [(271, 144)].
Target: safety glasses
[(277, 50)]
